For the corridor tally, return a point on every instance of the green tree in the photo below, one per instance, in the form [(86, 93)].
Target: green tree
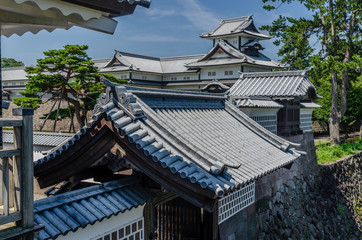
[(336, 24), (66, 74), (10, 62)]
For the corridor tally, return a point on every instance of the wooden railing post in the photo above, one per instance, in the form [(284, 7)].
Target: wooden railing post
[(27, 169)]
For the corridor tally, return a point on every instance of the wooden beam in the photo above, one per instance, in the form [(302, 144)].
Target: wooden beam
[(12, 217), (17, 168), (19, 233), (77, 159), (9, 153), (5, 186), (8, 122)]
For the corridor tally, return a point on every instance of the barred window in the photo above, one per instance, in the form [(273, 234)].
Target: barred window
[(269, 122), (131, 231), (236, 201), (228, 73)]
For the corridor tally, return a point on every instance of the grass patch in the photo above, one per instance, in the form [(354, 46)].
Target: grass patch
[(328, 154)]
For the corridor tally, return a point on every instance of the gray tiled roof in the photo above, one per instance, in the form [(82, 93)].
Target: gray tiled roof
[(123, 61), (236, 26), (70, 211), (273, 84), (309, 105), (236, 57), (48, 139), (257, 103), (199, 136)]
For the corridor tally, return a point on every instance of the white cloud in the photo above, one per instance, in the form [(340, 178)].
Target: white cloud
[(152, 38), (154, 12), (198, 16)]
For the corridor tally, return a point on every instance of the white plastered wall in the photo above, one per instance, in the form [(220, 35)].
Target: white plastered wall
[(306, 119)]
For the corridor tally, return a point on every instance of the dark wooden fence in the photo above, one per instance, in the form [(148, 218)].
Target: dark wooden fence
[(16, 179)]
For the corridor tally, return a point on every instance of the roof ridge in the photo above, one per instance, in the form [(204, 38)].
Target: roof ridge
[(276, 73), (138, 55), (175, 93), (180, 57), (236, 19), (258, 129)]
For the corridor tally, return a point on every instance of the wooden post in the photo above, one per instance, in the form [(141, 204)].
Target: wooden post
[(1, 95), (17, 167), (27, 169), (5, 188), (215, 222)]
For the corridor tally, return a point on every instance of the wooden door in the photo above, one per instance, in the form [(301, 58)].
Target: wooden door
[(178, 220)]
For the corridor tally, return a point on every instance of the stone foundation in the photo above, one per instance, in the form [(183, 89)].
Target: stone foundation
[(322, 206)]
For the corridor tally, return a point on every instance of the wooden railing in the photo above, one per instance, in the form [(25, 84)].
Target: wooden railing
[(16, 178)]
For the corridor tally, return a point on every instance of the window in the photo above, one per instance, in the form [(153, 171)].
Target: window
[(13, 84), (144, 77), (269, 122), (235, 42), (173, 78), (5, 84), (133, 230), (306, 122), (211, 74), (186, 78), (124, 77), (229, 73)]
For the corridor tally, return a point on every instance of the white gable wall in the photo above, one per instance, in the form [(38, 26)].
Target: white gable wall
[(146, 76), (181, 77), (220, 72)]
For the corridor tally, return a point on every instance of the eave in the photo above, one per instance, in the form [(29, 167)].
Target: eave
[(98, 140), (21, 16)]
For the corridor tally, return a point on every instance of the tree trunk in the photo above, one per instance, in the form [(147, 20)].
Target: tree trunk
[(334, 130), (334, 117), (77, 111)]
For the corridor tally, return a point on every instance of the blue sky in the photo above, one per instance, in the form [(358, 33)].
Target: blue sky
[(168, 28)]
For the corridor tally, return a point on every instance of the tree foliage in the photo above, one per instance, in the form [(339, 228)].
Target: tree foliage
[(10, 62), (329, 44), (67, 74)]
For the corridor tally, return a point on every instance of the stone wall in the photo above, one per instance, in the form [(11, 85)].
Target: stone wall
[(62, 125), (326, 205), (246, 224)]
